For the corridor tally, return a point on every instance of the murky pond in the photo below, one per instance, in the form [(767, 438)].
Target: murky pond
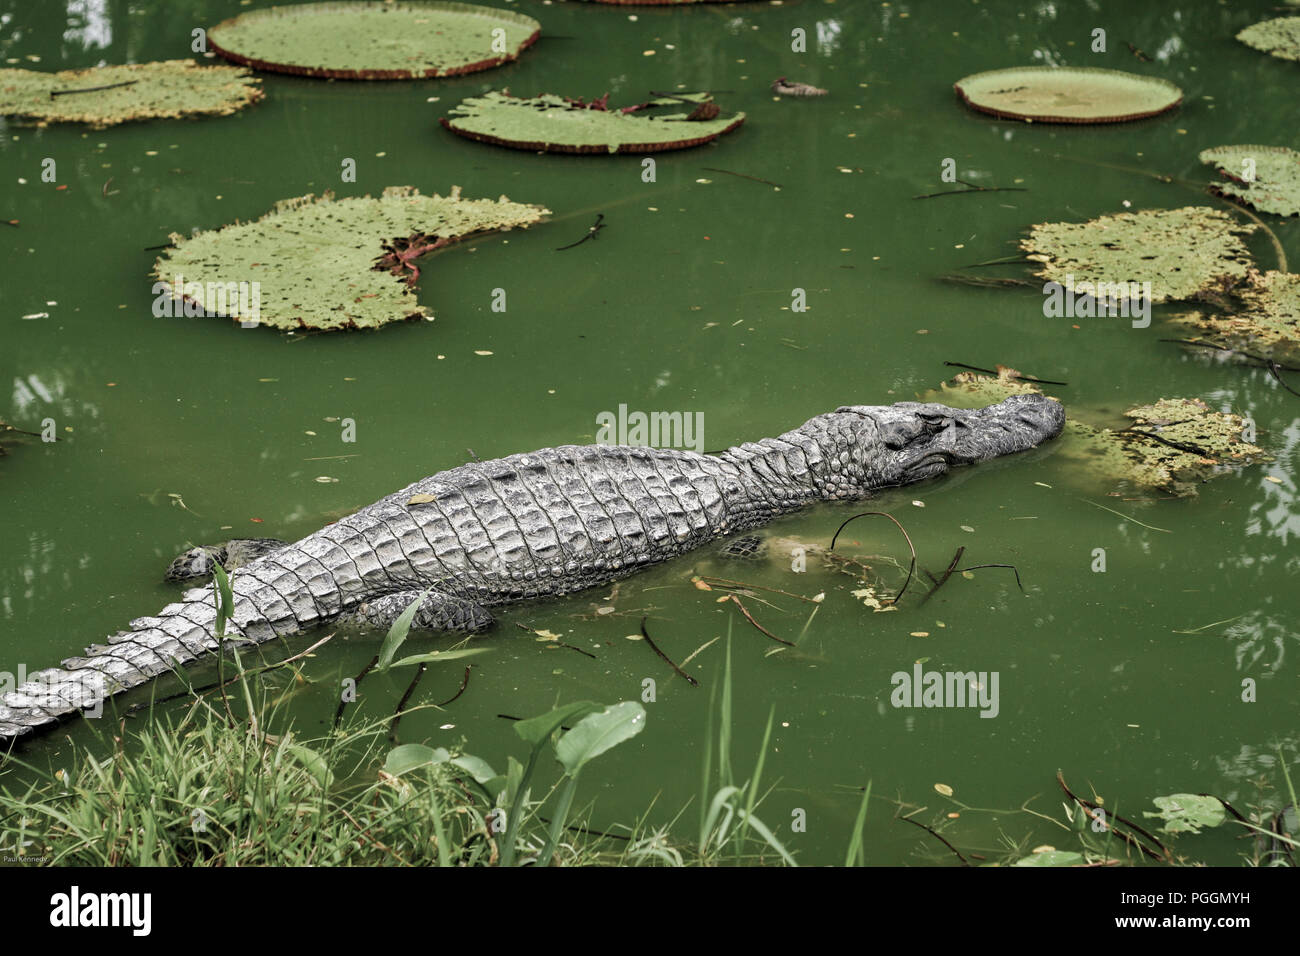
[(178, 431)]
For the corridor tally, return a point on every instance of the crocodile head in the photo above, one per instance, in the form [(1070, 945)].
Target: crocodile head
[(912, 441)]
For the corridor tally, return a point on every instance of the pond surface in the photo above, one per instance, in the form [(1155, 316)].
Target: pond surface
[(1129, 680)]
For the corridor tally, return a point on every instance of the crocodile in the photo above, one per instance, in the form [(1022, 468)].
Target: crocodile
[(530, 526)]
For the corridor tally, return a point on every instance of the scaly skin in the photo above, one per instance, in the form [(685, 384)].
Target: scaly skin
[(537, 525)]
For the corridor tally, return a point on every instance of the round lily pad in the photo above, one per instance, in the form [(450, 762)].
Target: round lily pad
[(1279, 38), (1266, 177), (322, 263), (408, 39), (1068, 94), (1179, 251), (561, 125), (107, 95)]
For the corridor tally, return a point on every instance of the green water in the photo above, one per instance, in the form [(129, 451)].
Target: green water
[(682, 304)]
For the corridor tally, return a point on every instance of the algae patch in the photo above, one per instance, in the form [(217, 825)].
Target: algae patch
[(322, 263)]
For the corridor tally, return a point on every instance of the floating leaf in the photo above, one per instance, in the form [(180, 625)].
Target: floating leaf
[(1188, 812), (1173, 444), (421, 499), (943, 788), (972, 390), (375, 41), (560, 125), (1265, 177), (107, 95), (322, 263), (1051, 858), (1263, 319), (1279, 38), (1179, 251), (1067, 94)]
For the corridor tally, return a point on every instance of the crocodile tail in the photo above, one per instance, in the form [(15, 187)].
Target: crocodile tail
[(179, 634)]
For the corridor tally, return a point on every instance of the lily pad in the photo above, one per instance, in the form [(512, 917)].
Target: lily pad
[(1266, 177), (1279, 38), (322, 263), (1266, 322), (107, 95), (358, 40), (1188, 812), (1172, 445), (1181, 252), (561, 125), (1067, 94)]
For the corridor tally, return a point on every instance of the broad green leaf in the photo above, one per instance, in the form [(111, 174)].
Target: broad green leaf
[(162, 90), (1051, 858), (407, 757), (406, 39), (556, 124), (598, 732), (537, 730), (322, 263), (1077, 94), (314, 762), (439, 657), (398, 632), (1188, 812)]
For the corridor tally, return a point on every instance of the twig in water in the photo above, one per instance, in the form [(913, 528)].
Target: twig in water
[(1272, 236), (1126, 517), (976, 567), (1273, 370), (592, 232), (91, 89), (401, 704), (1179, 446), (989, 371), (1005, 260), (1263, 360), (557, 643), (464, 682), (356, 682), (768, 182), (1137, 53), (946, 574), (108, 182), (868, 514), (655, 647), (750, 618), (934, 833), (973, 188), (1096, 814), (708, 578)]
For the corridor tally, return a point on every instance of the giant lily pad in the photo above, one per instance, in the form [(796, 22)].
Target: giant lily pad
[(560, 125), (1279, 38), (1067, 94), (107, 95), (1171, 445), (1263, 319), (322, 263), (1179, 251), (1266, 177), (375, 41)]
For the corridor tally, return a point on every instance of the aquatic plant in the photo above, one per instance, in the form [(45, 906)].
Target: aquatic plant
[(407, 39), (1067, 94), (1279, 37), (560, 124), (1265, 177), (1181, 252), (107, 95), (326, 263)]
